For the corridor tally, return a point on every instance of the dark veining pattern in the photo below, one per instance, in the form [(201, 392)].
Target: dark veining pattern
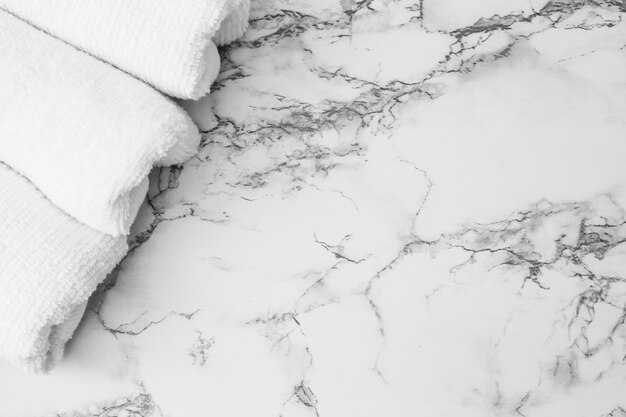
[(291, 164)]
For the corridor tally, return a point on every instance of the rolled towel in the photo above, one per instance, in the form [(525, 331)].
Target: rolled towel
[(166, 43), (83, 132), (49, 265), (234, 24)]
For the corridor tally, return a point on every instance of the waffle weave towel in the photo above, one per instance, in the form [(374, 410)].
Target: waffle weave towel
[(167, 43), (49, 265), (83, 132)]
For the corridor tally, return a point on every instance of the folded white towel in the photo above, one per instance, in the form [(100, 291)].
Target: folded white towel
[(166, 43), (49, 265), (83, 132)]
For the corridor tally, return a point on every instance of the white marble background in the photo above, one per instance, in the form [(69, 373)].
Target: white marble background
[(405, 208)]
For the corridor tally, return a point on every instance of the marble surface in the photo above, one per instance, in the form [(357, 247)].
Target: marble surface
[(405, 208)]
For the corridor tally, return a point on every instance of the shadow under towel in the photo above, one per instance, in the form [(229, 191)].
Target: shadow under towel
[(49, 265), (169, 44), (85, 133)]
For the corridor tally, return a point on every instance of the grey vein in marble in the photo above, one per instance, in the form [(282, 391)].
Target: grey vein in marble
[(405, 208)]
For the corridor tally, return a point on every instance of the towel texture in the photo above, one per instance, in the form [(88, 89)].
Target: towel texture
[(49, 265), (166, 43), (83, 132), (234, 24)]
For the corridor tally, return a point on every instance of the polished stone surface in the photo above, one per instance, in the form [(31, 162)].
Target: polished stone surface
[(404, 208)]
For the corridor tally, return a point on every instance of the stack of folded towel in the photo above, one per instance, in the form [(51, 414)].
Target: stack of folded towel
[(81, 125)]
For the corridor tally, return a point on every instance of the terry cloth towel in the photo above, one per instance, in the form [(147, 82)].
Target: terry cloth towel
[(49, 265), (83, 132), (166, 43)]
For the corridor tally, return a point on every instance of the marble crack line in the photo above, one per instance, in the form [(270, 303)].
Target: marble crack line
[(140, 404), (534, 266), (341, 193), (301, 392), (521, 404), (367, 293), (380, 100), (120, 329), (429, 187), (159, 218), (358, 5), (337, 250), (408, 248), (319, 283)]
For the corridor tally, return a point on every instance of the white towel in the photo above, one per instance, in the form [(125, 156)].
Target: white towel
[(234, 24), (166, 43), (49, 265), (83, 132)]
